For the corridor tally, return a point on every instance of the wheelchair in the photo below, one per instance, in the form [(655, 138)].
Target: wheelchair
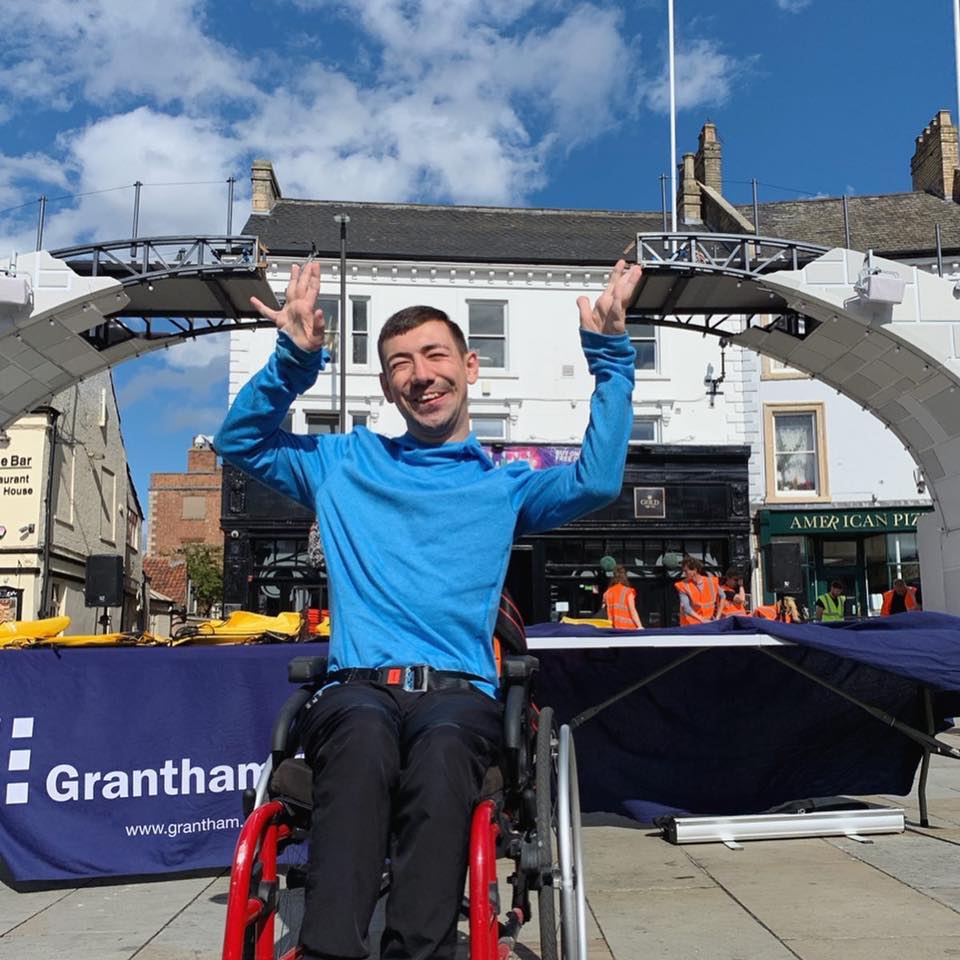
[(529, 812)]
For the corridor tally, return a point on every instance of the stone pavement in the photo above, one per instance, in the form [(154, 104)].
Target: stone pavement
[(895, 898)]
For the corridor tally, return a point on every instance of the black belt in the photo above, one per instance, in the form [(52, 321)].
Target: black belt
[(416, 679)]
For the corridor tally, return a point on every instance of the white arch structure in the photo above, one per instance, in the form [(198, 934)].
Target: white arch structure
[(899, 360)]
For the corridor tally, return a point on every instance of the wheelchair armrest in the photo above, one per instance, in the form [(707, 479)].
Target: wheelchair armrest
[(283, 739), (306, 669), (518, 670), (514, 733)]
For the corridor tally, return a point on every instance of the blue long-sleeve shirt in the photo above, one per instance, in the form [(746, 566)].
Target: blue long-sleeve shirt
[(417, 537)]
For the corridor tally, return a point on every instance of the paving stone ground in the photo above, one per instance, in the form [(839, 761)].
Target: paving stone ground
[(817, 899)]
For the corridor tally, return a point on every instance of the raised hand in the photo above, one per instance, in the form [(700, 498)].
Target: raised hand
[(609, 314), (299, 318)]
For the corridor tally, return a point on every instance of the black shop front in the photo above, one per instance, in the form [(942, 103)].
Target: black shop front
[(675, 500)]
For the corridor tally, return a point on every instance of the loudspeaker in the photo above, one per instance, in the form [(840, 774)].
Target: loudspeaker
[(103, 586), (784, 569)]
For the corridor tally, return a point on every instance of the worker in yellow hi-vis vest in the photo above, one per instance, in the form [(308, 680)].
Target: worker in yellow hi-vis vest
[(830, 604)]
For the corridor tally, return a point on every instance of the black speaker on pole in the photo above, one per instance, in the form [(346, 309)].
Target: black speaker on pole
[(103, 585), (784, 567)]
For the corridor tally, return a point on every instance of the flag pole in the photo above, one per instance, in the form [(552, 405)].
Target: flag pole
[(673, 120)]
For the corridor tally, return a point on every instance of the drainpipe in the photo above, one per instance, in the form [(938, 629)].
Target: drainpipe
[(48, 518)]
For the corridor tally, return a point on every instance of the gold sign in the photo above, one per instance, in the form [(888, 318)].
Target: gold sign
[(649, 503)]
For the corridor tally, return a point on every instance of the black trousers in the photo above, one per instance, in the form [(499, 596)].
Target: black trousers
[(387, 763)]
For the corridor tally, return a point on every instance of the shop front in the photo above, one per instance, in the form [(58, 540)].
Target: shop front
[(674, 501), (864, 549)]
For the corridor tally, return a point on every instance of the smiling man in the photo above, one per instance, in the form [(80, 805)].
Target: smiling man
[(417, 532)]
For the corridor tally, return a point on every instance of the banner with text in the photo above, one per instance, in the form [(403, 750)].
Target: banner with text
[(132, 761)]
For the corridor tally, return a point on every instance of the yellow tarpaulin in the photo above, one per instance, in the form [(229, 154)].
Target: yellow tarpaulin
[(240, 627), (588, 621)]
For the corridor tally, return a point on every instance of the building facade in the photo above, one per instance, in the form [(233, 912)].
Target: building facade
[(66, 495), (510, 278)]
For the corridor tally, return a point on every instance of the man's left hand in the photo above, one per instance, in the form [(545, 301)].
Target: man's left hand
[(609, 314)]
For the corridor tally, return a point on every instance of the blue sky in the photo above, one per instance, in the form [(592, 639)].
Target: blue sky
[(517, 102)]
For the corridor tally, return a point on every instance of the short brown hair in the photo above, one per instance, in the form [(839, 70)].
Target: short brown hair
[(620, 575), (409, 318), (691, 563)]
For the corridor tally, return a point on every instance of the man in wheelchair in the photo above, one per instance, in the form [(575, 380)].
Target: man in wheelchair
[(417, 533)]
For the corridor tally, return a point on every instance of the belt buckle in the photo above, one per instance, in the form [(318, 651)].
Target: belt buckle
[(410, 682)]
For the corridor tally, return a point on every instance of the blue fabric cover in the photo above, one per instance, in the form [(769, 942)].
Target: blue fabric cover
[(733, 731)]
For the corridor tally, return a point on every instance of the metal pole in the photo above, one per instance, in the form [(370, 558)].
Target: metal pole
[(343, 220), (136, 210), (846, 224), (40, 218), (673, 123), (939, 265), (663, 199), (756, 208), (230, 182)]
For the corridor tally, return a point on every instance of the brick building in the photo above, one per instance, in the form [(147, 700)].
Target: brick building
[(185, 507)]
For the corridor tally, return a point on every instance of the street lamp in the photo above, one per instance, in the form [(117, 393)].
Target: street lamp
[(343, 220)]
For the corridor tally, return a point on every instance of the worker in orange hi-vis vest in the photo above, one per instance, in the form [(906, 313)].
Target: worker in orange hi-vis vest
[(620, 602), (699, 593), (733, 597), (784, 610), (901, 599)]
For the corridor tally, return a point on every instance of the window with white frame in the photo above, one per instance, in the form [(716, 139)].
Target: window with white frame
[(643, 336), (488, 426), (322, 422), (359, 330), (487, 332), (644, 430), (773, 369), (359, 419), (795, 452), (331, 319)]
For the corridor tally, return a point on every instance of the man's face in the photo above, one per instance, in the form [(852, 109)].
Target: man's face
[(836, 591), (689, 573), (900, 589), (427, 377)]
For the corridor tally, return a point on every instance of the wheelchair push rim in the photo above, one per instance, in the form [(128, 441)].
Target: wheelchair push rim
[(573, 899)]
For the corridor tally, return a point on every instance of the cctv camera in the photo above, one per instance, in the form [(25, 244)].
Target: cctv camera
[(921, 487), (234, 534)]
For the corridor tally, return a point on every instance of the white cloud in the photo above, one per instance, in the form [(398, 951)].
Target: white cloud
[(157, 149), (65, 51), (704, 75), (463, 101), (793, 6)]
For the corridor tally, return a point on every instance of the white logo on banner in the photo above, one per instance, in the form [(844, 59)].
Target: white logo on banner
[(18, 760), (65, 782)]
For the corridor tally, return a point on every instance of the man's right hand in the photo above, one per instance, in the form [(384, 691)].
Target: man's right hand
[(299, 317)]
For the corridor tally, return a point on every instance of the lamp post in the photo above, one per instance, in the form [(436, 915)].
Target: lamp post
[(343, 220)]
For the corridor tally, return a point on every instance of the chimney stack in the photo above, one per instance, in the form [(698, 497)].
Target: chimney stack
[(689, 192), (934, 163), (707, 161), (266, 190)]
